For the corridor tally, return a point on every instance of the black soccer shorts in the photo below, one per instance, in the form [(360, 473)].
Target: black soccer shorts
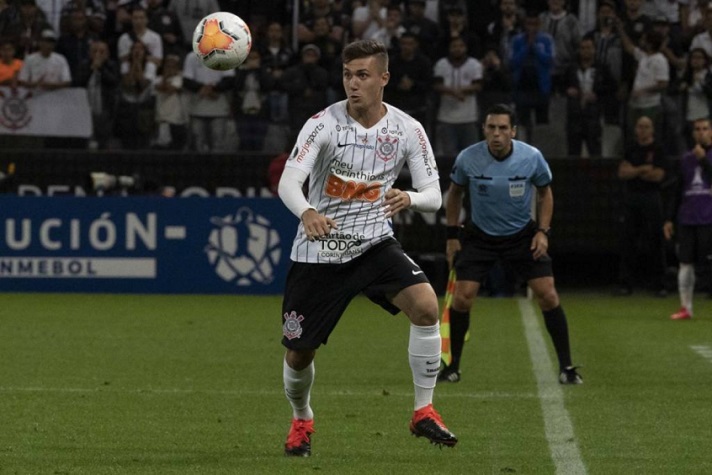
[(480, 252), (316, 295), (694, 244)]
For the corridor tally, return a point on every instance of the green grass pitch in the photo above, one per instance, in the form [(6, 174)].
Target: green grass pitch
[(104, 384)]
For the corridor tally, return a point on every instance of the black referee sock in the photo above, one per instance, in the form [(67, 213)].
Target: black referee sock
[(555, 321), (459, 324)]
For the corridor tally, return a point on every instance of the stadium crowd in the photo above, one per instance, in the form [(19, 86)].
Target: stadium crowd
[(606, 62)]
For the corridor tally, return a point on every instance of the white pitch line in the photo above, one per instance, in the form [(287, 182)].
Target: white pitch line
[(557, 424), (703, 350), (258, 392)]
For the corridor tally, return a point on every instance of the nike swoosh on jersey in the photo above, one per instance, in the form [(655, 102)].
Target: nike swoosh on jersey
[(344, 144)]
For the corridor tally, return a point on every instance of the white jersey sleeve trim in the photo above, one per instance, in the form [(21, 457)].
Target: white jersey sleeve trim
[(290, 191), (427, 199)]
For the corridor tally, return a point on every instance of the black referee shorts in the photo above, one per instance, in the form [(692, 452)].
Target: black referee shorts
[(316, 295), (480, 252)]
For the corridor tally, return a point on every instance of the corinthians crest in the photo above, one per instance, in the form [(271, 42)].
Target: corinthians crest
[(14, 113), (386, 147)]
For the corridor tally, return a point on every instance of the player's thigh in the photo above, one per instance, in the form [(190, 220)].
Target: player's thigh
[(686, 244), (419, 303)]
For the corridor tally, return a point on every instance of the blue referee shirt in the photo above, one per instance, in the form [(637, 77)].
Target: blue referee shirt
[(501, 191)]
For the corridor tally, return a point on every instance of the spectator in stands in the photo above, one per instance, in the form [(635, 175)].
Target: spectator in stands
[(166, 23), (320, 9), (140, 32), (564, 27), (496, 82), (74, 45), (276, 56), (100, 75), (9, 65), (642, 170), (368, 19), (502, 30), (672, 107), (531, 62), (411, 79), (457, 78), (445, 7), (634, 23), (23, 23), (252, 85), (609, 52), (306, 84), (329, 47), (586, 82), (426, 30), (209, 106), (392, 29), (651, 80), (674, 12), (190, 12), (45, 69), (697, 91), (171, 111), (95, 11), (456, 27), (135, 118)]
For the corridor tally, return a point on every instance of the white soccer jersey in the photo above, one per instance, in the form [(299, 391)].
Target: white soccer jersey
[(350, 170)]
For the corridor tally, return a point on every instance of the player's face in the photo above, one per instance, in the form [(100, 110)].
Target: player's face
[(644, 130), (364, 80), (703, 133), (499, 133)]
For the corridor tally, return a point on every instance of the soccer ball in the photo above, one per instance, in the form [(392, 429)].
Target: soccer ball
[(222, 41)]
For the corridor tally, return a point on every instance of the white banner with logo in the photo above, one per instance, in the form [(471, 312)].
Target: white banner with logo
[(60, 113)]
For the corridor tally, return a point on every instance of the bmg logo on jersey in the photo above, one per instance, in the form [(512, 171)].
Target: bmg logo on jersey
[(243, 248)]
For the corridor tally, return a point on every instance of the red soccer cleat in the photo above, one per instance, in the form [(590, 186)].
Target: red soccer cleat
[(427, 423), (299, 440), (681, 314)]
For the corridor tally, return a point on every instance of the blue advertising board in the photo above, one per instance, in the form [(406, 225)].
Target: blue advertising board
[(144, 245)]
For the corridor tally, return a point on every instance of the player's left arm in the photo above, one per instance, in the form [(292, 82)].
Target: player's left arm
[(424, 173), (544, 213)]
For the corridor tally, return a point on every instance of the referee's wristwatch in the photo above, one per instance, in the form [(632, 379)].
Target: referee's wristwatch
[(546, 231)]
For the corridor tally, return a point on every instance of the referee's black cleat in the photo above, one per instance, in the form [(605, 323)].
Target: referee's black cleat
[(569, 375), (427, 423), (449, 375)]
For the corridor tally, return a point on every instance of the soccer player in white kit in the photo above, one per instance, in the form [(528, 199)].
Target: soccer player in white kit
[(352, 153)]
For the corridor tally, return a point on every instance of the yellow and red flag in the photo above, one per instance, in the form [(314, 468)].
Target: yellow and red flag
[(446, 354)]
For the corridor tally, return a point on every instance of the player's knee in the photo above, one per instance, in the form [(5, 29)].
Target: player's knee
[(299, 359), (548, 299), (462, 301), (425, 314)]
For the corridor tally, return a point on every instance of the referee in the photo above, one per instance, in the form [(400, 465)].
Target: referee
[(502, 176)]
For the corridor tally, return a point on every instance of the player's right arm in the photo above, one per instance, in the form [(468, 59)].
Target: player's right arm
[(297, 169)]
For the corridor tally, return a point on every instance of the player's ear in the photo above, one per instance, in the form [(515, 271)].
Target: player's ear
[(385, 77), (514, 131)]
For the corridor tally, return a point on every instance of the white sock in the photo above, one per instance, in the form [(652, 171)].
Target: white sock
[(297, 388), (424, 358), (686, 285)]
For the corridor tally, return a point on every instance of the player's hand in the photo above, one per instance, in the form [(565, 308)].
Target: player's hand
[(317, 226), (452, 247), (396, 200), (699, 151), (668, 230), (540, 244)]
